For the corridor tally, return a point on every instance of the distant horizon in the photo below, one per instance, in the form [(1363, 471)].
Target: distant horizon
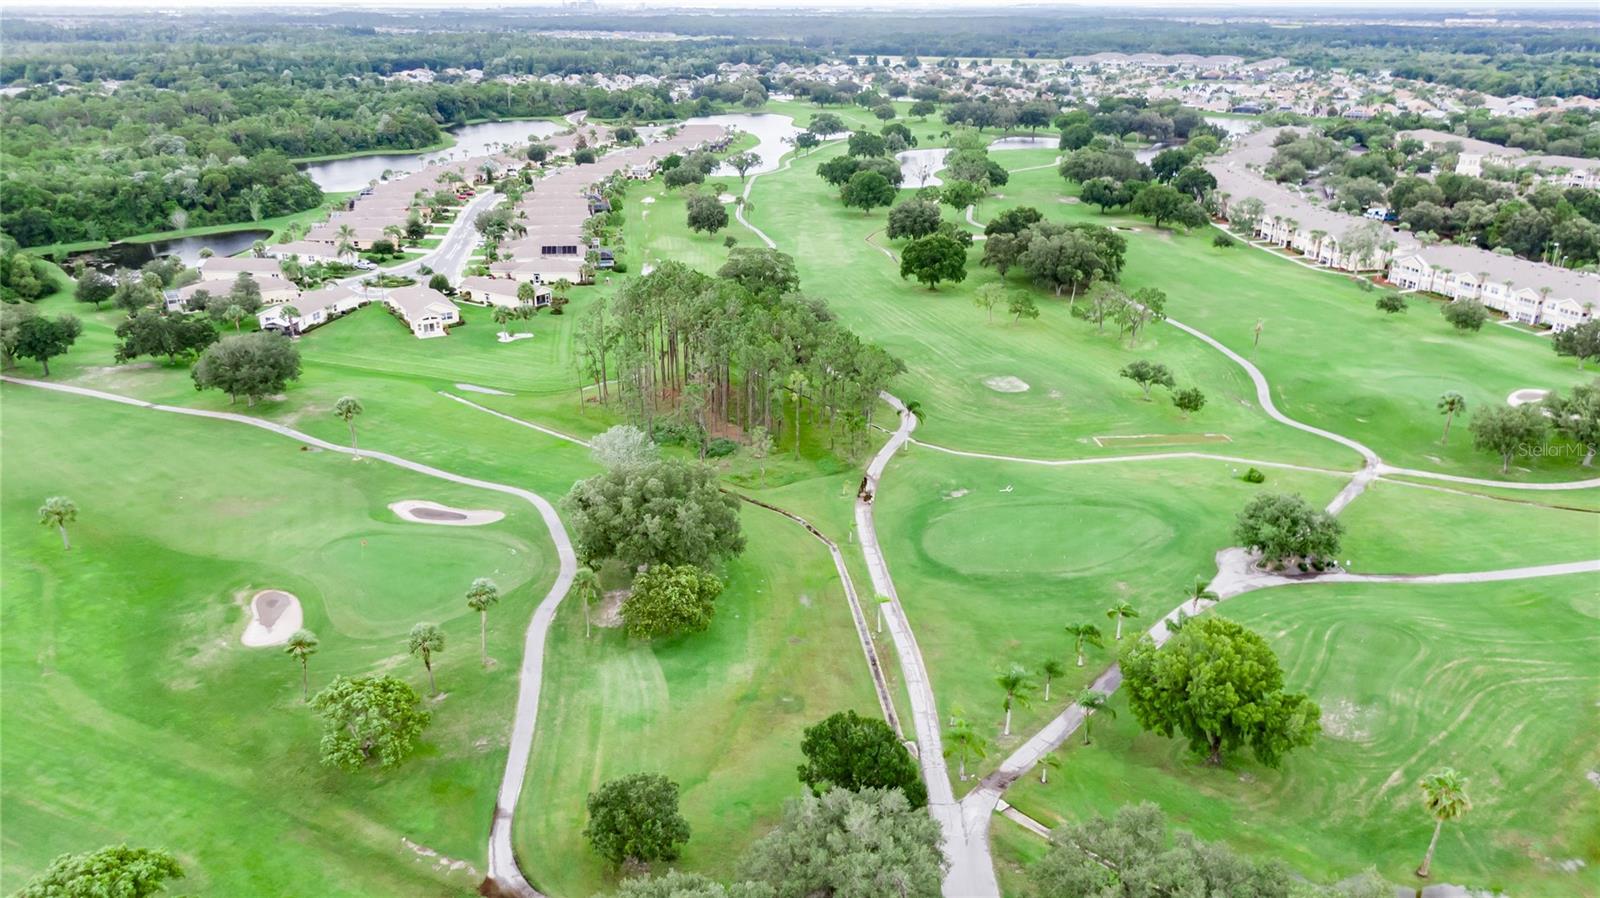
[(1325, 8)]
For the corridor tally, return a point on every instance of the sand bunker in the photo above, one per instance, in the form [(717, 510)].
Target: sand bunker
[(474, 388), (647, 200), (423, 512), (725, 198), (1525, 396), (274, 616), (1007, 384), (507, 337)]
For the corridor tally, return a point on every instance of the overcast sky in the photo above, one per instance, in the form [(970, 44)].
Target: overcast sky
[(1290, 7)]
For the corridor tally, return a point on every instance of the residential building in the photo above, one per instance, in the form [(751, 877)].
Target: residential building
[(426, 311), (502, 291), (1529, 292), (311, 308)]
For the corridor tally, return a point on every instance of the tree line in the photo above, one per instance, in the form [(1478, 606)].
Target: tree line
[(743, 349)]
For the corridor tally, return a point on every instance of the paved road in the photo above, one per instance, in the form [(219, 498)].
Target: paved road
[(450, 257), (502, 861)]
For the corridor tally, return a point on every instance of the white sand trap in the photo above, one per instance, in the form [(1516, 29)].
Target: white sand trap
[(725, 198), (274, 616), (1525, 396), (647, 200), (1006, 384), (956, 494), (420, 511), (506, 337), (474, 388)]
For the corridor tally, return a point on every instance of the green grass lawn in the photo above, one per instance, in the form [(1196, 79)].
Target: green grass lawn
[(133, 712), (1397, 529), (1495, 680), (719, 712), (990, 578), (1416, 676), (953, 352)]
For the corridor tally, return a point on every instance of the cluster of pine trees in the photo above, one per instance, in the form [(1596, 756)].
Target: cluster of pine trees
[(743, 349)]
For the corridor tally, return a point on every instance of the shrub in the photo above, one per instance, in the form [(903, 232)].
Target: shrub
[(1254, 475), (1222, 240), (669, 434), (721, 447)]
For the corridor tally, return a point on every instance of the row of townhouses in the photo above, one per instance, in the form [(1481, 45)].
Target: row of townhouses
[(1529, 292)]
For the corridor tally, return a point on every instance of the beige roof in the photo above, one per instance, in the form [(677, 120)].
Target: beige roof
[(416, 301), (231, 266), (1563, 282)]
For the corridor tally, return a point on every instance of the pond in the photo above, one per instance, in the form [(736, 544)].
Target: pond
[(341, 175), (917, 167), (773, 133), (133, 255), (1234, 126)]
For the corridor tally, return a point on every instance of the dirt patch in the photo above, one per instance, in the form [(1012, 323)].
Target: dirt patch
[(420, 511), (1006, 384), (440, 862), (608, 613), (274, 616), (1347, 721)]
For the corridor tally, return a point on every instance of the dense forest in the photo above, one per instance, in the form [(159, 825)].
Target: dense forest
[(119, 125), (133, 128)]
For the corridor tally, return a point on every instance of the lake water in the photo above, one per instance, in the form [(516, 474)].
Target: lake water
[(918, 166), (773, 134), (133, 255), (1234, 126), (340, 175)]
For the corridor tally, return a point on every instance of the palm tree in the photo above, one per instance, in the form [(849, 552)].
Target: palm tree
[(1199, 592), (587, 584), (964, 742), (501, 315), (233, 315), (1017, 686), (1450, 404), (1046, 764), (1444, 794), (347, 241), (301, 646), (396, 234), (482, 595), (1119, 612), (1081, 634), (425, 639), (1050, 669), (258, 249), (1093, 701), (346, 410), (914, 408), (58, 512)]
